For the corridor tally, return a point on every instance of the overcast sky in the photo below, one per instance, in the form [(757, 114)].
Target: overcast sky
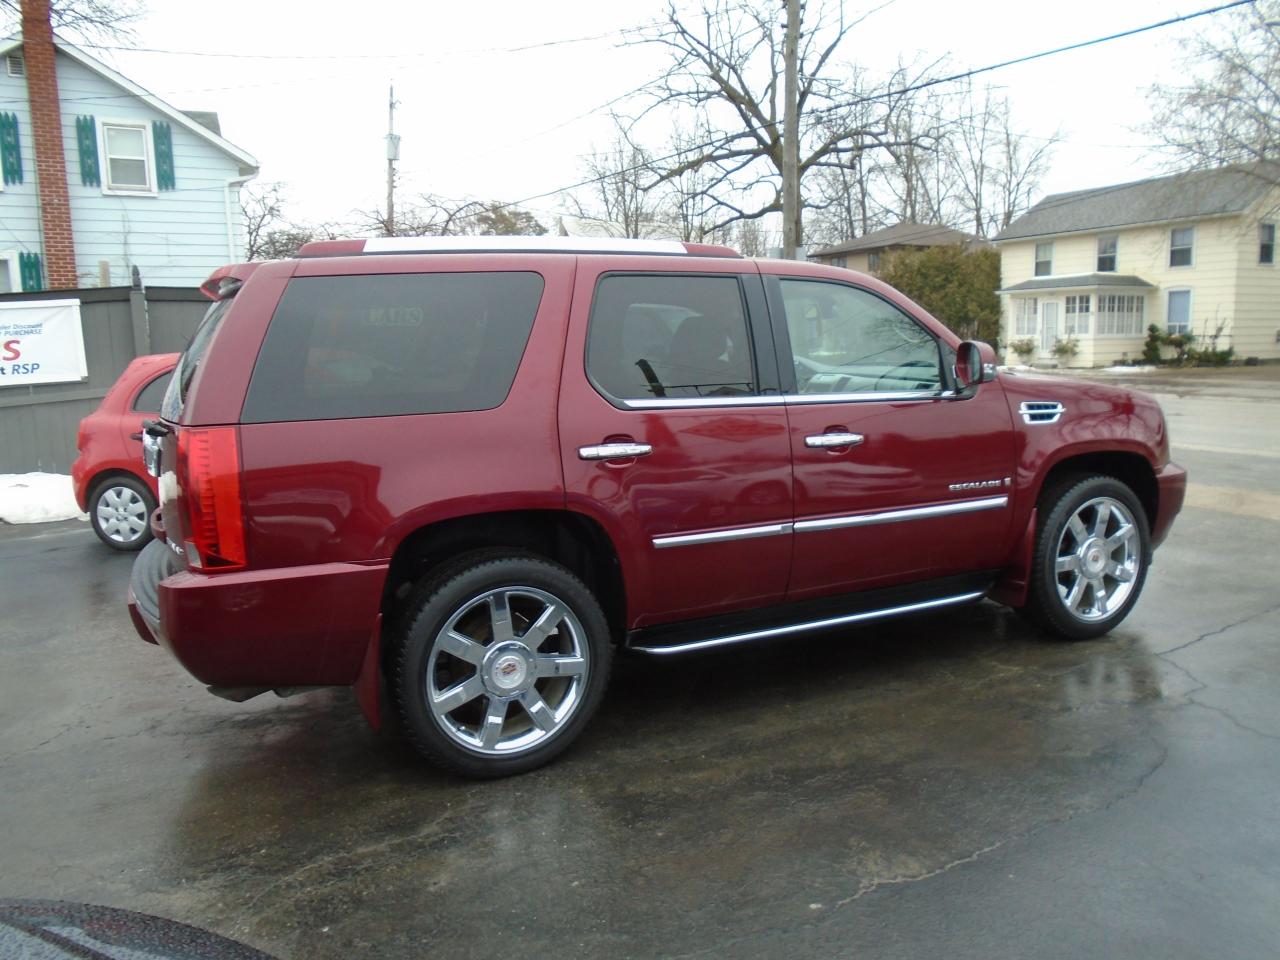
[(480, 119)]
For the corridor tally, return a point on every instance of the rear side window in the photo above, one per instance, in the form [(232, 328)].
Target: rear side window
[(378, 346), (664, 336), (149, 397)]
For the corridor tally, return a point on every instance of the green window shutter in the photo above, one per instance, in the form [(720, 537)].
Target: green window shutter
[(162, 137), (30, 272), (87, 144), (10, 153)]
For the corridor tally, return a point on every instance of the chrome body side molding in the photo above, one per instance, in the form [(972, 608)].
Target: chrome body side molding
[(899, 516), (717, 536)]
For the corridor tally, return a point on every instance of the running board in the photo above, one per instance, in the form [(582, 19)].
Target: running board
[(696, 636)]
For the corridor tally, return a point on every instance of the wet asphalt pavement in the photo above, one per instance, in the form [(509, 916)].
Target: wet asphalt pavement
[(953, 785)]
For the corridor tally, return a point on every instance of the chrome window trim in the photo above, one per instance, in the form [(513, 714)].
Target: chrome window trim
[(887, 396), (686, 403), (898, 516), (810, 625), (718, 536), (1041, 411)]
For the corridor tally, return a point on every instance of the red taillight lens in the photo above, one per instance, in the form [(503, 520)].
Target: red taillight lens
[(209, 477), (82, 434)]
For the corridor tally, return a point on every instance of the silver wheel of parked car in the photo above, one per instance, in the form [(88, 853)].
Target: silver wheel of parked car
[(121, 513), (1097, 559), (507, 670)]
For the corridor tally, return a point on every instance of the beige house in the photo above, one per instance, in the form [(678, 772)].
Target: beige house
[(864, 253), (1191, 253)]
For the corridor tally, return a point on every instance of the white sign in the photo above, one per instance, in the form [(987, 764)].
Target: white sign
[(41, 342)]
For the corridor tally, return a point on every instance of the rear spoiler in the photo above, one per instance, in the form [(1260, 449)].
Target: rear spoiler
[(225, 281)]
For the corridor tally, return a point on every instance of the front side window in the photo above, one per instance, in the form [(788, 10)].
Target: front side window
[(128, 157), (1044, 259), (1266, 243), (1107, 247), (848, 340), (392, 344), (1024, 317), (1181, 246), (1179, 320), (677, 337), (1077, 314)]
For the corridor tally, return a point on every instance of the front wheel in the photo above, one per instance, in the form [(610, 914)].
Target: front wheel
[(120, 510), (1090, 558), (501, 662)]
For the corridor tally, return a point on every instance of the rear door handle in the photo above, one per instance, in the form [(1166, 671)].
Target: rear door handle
[(833, 440), (614, 451)]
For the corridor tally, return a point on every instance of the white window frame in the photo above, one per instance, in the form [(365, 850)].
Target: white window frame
[(1135, 309), (1097, 266), (1261, 227), (1192, 261), (104, 159), (15, 276), (1076, 321), (1191, 302), (1026, 313), (1036, 261)]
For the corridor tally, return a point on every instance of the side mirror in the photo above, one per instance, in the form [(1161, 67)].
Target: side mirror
[(975, 364)]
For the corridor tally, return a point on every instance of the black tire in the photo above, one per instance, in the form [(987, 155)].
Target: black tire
[(113, 511), (1096, 611), (457, 590)]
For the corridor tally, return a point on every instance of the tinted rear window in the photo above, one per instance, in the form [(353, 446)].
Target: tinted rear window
[(377, 346), (176, 394)]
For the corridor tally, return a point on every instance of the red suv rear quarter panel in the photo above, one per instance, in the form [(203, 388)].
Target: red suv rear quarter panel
[(326, 502)]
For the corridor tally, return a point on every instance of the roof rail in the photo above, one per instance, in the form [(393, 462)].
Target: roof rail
[(385, 245)]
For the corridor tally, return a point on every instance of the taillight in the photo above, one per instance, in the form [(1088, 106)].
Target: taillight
[(209, 478), (82, 434)]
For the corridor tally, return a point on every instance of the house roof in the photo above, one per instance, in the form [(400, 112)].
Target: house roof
[(1181, 196), (905, 234), (1078, 281), (248, 163)]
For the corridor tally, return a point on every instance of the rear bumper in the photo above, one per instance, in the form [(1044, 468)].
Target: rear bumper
[(295, 626), (1171, 482)]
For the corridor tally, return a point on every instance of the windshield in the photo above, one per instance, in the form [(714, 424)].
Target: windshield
[(176, 396)]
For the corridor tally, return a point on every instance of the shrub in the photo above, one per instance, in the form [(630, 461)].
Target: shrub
[(1023, 348), (1066, 349), (1151, 349)]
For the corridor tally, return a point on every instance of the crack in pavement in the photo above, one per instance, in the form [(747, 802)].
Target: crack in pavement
[(1220, 630)]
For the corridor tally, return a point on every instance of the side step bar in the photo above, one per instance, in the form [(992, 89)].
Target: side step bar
[(641, 643)]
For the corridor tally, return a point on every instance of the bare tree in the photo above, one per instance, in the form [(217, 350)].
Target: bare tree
[(619, 195), (726, 60), (90, 20), (433, 216), (1230, 111), (262, 205)]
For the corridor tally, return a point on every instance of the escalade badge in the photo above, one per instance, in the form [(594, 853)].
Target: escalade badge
[(980, 484)]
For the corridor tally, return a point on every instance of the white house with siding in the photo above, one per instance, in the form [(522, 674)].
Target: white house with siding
[(145, 185), (1192, 253)]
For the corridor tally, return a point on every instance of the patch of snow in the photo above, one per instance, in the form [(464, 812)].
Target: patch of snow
[(1124, 371), (37, 498)]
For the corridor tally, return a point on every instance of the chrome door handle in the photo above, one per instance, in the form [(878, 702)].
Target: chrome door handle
[(614, 451), (833, 440)]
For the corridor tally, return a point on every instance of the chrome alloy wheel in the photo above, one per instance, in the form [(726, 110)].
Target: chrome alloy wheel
[(490, 684), (1098, 559), (121, 513)]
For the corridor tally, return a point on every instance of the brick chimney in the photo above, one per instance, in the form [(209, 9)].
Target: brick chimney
[(51, 163)]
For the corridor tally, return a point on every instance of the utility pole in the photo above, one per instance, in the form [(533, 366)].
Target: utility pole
[(393, 154), (791, 135)]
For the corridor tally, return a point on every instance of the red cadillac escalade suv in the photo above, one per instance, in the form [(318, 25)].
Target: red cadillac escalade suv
[(460, 472)]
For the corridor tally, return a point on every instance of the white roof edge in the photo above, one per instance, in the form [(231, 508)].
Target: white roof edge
[(514, 243), (174, 114), (8, 43)]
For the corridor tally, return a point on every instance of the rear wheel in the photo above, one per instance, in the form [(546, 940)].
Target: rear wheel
[(500, 664), (120, 510), (1090, 560)]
